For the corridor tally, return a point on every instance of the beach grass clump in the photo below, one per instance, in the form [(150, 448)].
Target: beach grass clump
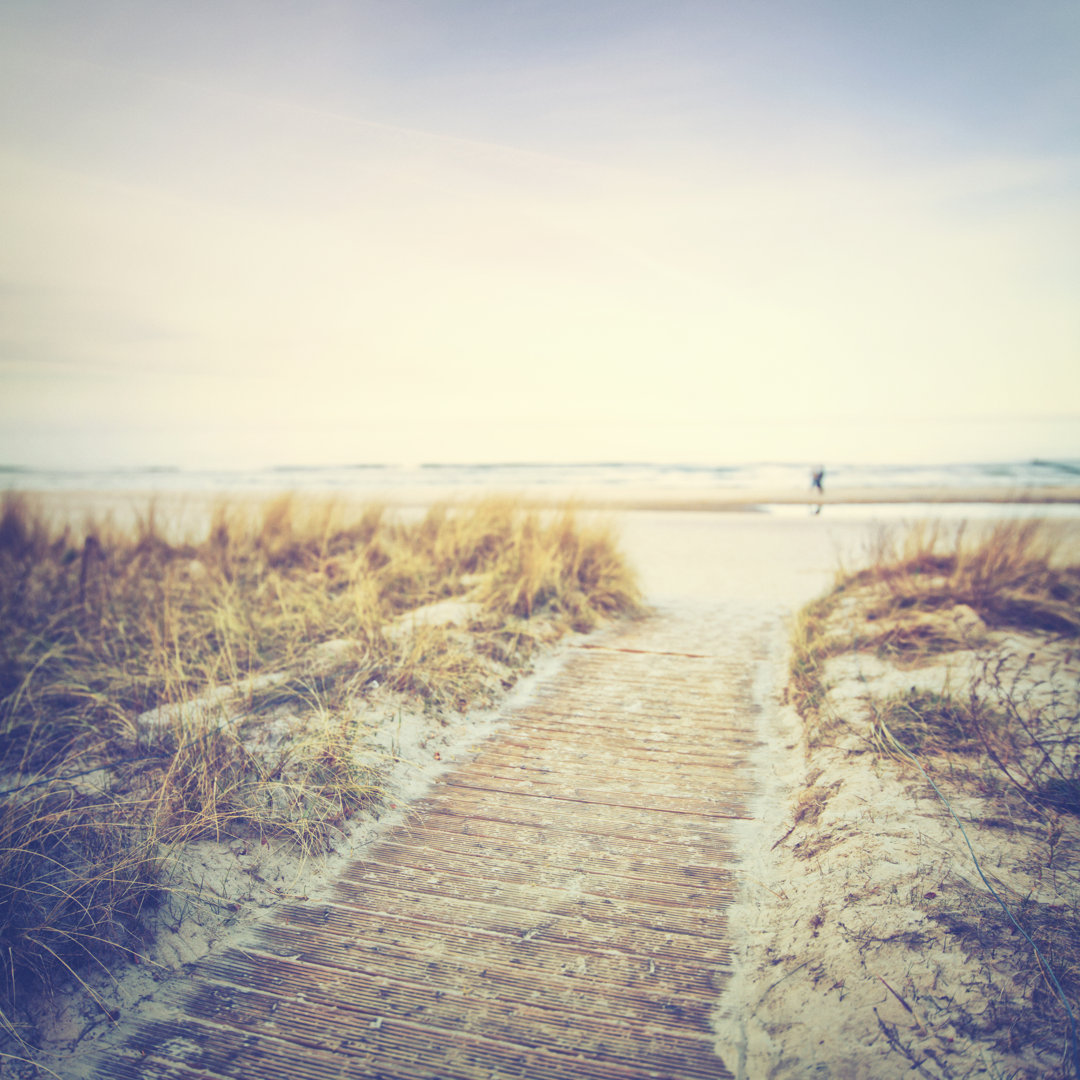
[(77, 875), (927, 722), (930, 591), (222, 781), (159, 687), (575, 572), (1015, 575)]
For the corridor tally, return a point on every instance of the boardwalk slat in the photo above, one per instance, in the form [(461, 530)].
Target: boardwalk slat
[(701, 849), (606, 876), (390, 921), (606, 855), (319, 1019), (698, 914), (626, 1005)]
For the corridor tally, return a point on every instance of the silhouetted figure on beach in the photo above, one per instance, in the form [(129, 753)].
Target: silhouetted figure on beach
[(817, 483)]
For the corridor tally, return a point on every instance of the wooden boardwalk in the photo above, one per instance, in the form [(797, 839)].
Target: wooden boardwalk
[(557, 910)]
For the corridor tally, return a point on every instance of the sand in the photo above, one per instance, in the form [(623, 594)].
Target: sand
[(869, 945), (804, 1000)]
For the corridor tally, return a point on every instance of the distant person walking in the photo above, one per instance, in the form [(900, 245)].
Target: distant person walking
[(817, 481)]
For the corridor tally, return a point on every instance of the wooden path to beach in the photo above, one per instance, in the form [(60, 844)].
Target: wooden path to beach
[(556, 910)]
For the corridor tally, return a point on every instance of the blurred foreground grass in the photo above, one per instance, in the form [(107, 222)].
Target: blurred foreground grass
[(128, 658)]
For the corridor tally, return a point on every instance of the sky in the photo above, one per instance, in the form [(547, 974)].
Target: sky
[(256, 232)]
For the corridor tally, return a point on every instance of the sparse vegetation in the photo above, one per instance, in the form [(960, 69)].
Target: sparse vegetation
[(928, 722), (956, 654), (137, 672)]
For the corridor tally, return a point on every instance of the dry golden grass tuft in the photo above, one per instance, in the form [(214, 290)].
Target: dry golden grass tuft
[(1013, 576), (131, 664), (931, 590)]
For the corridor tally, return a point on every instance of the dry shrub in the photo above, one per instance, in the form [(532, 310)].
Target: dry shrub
[(1037, 744)]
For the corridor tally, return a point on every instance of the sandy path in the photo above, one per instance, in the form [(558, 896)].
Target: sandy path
[(558, 906)]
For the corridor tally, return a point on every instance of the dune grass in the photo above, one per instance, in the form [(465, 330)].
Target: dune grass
[(1013, 576), (928, 591), (129, 661)]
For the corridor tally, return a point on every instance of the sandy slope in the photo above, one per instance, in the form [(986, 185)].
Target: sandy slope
[(870, 945)]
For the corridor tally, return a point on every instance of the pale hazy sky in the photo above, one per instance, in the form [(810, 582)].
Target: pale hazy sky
[(449, 230)]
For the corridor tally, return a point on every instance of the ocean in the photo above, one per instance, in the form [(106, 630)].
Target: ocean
[(1020, 480)]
